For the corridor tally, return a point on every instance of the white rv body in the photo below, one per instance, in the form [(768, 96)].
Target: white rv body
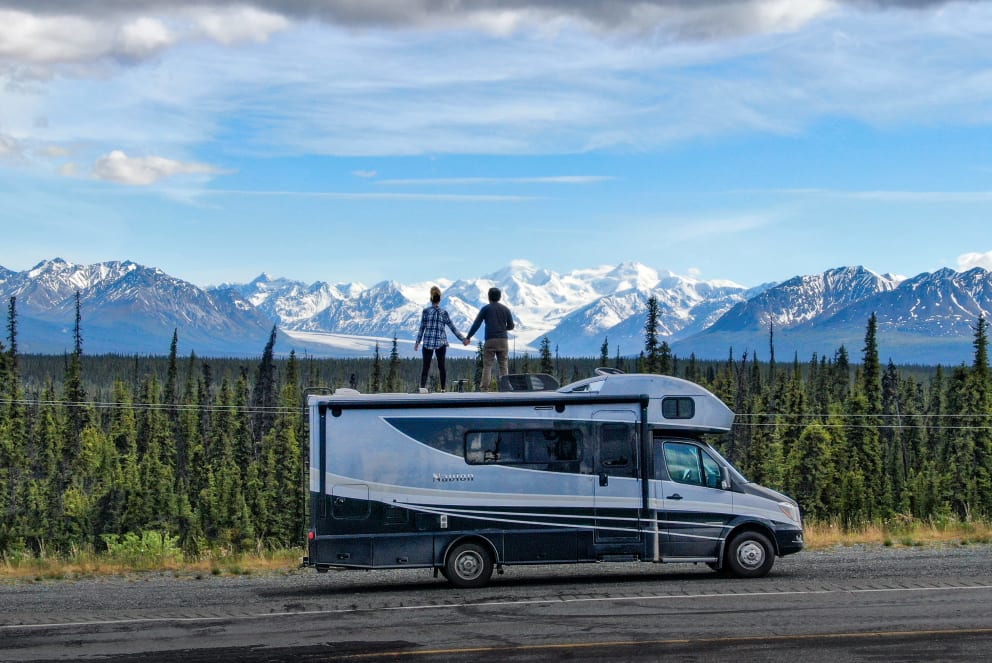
[(612, 468)]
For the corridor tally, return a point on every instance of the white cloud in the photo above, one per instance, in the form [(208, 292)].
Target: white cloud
[(143, 37), (967, 261), (8, 146), (240, 24), (442, 88), (80, 37), (119, 167), (367, 174)]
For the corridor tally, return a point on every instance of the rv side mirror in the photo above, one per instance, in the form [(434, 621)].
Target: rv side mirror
[(724, 479)]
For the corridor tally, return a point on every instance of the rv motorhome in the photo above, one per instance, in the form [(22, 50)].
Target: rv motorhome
[(610, 468)]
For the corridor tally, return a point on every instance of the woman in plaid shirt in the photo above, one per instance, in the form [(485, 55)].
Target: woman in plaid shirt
[(432, 324)]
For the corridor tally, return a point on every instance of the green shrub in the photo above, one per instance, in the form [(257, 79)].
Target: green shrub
[(147, 550)]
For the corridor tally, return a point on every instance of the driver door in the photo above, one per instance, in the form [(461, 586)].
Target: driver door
[(695, 506)]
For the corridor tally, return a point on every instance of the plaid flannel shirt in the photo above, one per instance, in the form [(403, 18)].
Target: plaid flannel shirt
[(432, 323)]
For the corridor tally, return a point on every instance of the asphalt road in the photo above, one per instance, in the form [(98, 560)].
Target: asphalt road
[(862, 603)]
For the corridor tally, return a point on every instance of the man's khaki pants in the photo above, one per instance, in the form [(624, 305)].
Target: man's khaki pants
[(498, 349)]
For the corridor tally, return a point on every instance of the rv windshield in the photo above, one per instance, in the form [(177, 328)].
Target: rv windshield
[(734, 472)]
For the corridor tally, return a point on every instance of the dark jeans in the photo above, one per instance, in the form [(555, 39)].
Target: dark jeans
[(440, 352)]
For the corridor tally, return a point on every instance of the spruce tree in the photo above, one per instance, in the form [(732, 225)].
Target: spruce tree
[(652, 349), (376, 385), (547, 365), (666, 362), (263, 393), (393, 371), (809, 471)]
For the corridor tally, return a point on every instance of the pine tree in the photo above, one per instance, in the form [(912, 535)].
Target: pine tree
[(14, 463), (525, 365), (666, 362), (809, 471), (393, 372), (376, 385), (477, 368), (894, 460), (840, 376), (547, 366), (75, 394), (652, 349), (604, 352), (263, 393)]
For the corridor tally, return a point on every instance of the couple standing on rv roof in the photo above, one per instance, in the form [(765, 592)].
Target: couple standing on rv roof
[(434, 319)]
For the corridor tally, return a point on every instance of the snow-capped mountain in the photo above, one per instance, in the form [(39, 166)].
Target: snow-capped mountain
[(926, 319), (577, 308), (129, 308), (291, 301)]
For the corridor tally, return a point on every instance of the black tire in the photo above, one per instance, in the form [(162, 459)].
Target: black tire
[(468, 565), (749, 555)]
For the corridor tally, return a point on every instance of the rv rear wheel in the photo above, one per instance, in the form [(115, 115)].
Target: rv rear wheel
[(749, 555), (468, 565)]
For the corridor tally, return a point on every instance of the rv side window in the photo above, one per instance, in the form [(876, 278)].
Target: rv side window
[(689, 464), (548, 449), (680, 407), (616, 449)]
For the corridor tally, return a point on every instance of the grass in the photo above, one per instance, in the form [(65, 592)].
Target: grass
[(88, 564), (906, 533)]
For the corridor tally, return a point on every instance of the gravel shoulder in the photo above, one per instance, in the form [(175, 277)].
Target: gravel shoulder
[(175, 595)]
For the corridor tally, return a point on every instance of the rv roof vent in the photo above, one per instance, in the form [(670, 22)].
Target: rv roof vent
[(528, 382)]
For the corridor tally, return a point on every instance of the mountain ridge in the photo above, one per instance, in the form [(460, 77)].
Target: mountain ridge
[(131, 308)]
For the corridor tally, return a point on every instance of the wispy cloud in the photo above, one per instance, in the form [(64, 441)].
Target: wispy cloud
[(457, 181), (892, 196), (341, 195), (700, 228), (437, 77), (141, 171)]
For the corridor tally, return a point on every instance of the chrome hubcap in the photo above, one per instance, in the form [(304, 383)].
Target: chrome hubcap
[(468, 565), (751, 554)]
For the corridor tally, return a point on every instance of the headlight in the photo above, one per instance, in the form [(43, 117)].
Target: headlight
[(791, 511)]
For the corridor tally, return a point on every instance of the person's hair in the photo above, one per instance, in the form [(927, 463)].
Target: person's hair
[(435, 294), (494, 294)]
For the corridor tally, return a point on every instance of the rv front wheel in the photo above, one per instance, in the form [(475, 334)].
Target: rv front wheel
[(468, 565), (750, 555)]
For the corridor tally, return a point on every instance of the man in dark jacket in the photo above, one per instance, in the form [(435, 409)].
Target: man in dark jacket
[(498, 320)]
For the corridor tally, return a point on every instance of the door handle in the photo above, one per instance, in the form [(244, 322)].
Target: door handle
[(676, 496)]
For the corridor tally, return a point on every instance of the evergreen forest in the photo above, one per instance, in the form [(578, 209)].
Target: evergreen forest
[(213, 451)]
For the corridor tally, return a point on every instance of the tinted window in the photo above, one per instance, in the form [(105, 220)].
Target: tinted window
[(689, 464), (544, 448), (680, 407), (616, 449)]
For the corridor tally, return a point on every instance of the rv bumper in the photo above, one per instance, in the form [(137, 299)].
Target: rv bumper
[(789, 540)]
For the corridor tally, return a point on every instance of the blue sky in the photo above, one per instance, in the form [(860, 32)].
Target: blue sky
[(747, 140)]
